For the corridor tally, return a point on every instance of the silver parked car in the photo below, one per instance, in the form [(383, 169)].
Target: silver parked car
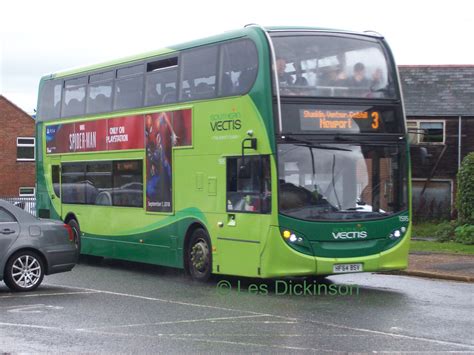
[(31, 248)]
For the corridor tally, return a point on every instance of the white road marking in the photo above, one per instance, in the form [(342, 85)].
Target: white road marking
[(173, 322), (34, 308), (46, 294), (339, 326), (378, 332), (285, 335), (258, 322), (180, 337), (19, 325), (161, 300)]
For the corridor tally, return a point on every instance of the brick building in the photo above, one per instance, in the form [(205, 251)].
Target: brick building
[(439, 104), (17, 151)]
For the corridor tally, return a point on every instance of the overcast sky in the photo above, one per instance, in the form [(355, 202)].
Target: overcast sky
[(38, 37)]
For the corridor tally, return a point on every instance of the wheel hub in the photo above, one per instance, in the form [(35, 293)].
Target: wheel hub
[(26, 271), (200, 255)]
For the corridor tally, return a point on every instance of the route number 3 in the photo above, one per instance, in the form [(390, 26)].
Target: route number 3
[(375, 119)]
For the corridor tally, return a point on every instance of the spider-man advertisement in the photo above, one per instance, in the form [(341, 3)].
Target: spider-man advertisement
[(118, 133), (163, 131)]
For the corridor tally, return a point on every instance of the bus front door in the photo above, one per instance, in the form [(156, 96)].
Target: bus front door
[(245, 224)]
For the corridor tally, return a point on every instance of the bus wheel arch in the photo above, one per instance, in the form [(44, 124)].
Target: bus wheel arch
[(72, 221), (197, 252)]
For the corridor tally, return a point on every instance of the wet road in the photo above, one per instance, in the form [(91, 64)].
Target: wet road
[(112, 306)]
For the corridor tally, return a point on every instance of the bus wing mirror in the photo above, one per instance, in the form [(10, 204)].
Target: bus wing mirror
[(252, 144), (244, 170)]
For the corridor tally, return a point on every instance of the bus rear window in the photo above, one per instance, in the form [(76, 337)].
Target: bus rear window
[(50, 100)]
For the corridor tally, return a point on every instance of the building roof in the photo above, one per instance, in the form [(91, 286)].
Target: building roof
[(20, 111), (438, 90)]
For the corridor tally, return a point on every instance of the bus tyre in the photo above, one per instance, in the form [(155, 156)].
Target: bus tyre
[(77, 233), (24, 271), (199, 256)]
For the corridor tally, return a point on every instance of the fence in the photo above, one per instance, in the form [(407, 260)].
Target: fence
[(26, 203)]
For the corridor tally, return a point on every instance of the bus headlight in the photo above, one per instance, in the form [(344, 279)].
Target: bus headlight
[(396, 234), (291, 237), (286, 234), (296, 240)]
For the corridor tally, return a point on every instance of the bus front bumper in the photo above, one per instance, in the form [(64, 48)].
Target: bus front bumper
[(278, 259)]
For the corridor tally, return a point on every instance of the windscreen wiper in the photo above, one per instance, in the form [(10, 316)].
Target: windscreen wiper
[(314, 145)]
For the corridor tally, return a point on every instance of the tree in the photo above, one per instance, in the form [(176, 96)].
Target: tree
[(465, 201), (465, 193)]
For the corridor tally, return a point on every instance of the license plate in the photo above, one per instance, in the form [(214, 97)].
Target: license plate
[(341, 268)]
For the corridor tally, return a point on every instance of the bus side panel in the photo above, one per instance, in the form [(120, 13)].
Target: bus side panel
[(157, 240)]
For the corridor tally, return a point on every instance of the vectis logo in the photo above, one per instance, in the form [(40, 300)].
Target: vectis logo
[(226, 121), (350, 235)]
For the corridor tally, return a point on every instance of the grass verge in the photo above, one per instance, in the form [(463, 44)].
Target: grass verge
[(427, 229), (437, 247)]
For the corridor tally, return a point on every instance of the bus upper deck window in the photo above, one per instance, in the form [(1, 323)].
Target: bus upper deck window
[(161, 81), (99, 97), (199, 69), (74, 102), (239, 67), (129, 87)]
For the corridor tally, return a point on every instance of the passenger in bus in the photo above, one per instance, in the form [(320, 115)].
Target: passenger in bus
[(301, 81), (227, 87), (332, 81), (102, 103), (334, 76), (359, 79), (245, 80), (203, 91), (377, 84), (284, 79)]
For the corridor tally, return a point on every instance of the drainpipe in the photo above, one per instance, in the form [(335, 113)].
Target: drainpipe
[(459, 143)]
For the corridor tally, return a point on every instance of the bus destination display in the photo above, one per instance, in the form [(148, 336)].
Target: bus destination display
[(348, 120)]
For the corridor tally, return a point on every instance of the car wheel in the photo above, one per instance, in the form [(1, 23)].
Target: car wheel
[(77, 233), (24, 271), (199, 256)]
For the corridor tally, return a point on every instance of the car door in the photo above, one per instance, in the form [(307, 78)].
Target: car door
[(9, 231)]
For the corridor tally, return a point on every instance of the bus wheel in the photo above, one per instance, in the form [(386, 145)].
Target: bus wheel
[(77, 233), (199, 256)]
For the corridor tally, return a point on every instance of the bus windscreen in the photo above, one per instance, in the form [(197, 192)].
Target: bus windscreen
[(332, 66)]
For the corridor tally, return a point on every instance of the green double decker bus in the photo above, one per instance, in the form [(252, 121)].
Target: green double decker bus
[(262, 152)]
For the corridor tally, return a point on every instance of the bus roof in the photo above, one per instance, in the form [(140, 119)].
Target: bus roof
[(199, 42)]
